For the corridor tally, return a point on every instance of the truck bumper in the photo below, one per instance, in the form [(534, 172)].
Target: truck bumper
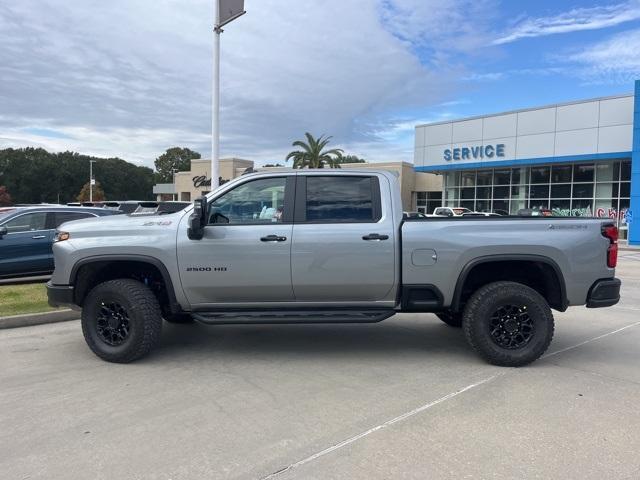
[(604, 293), (60, 295)]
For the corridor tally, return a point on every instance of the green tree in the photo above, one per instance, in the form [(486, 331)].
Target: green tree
[(312, 154), (350, 159), (5, 198), (174, 158), (33, 175), (85, 193)]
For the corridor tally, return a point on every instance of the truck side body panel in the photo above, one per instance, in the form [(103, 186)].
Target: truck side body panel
[(575, 246)]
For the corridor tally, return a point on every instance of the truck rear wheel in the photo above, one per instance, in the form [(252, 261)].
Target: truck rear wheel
[(453, 319), (508, 324), (121, 320)]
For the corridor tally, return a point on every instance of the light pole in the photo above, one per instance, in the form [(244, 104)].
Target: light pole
[(215, 98), (224, 11), (175, 194), (91, 180)]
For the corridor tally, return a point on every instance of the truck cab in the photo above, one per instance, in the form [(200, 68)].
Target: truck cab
[(316, 251)]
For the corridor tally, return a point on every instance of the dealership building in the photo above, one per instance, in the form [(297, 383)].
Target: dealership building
[(577, 159), (420, 191)]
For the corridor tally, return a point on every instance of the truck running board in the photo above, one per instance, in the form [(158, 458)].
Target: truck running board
[(292, 316)]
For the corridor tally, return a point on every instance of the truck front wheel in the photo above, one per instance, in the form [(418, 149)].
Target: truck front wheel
[(121, 320), (508, 324)]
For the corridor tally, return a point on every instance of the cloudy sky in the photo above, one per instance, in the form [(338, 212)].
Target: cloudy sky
[(132, 78)]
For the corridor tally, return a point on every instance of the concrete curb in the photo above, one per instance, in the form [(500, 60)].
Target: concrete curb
[(30, 319)]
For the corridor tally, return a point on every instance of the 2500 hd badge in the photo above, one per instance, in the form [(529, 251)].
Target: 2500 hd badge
[(206, 269)]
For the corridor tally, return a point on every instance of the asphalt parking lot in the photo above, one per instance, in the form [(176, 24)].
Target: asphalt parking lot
[(404, 398)]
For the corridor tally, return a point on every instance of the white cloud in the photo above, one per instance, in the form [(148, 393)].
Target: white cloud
[(485, 77), (132, 77), (577, 19), (435, 24), (615, 60), (102, 143)]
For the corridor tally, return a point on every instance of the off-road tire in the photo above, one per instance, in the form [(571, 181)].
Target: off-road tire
[(179, 318), (453, 319), (477, 323), (144, 319)]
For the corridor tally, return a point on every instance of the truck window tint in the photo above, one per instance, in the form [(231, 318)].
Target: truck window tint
[(27, 223), (61, 217), (256, 202), (339, 199)]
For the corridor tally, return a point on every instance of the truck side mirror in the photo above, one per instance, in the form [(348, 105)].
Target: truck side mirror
[(198, 219), (3, 231)]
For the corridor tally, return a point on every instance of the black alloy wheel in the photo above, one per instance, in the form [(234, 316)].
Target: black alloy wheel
[(511, 326), (113, 324)]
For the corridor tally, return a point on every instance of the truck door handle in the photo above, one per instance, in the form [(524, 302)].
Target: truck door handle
[(375, 236), (273, 238), (37, 237)]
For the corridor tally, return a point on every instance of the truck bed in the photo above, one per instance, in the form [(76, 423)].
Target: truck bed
[(442, 249)]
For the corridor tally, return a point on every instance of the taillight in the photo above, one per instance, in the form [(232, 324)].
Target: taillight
[(611, 232)]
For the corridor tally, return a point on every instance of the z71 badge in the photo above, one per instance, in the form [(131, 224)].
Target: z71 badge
[(163, 223)]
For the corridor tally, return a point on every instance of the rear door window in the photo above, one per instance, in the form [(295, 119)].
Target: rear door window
[(341, 199), (60, 217)]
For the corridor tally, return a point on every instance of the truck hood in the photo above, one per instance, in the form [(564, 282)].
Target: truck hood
[(117, 225)]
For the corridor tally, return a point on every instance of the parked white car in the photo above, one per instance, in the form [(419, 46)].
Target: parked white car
[(451, 211)]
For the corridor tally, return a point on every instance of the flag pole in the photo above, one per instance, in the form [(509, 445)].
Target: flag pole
[(215, 100)]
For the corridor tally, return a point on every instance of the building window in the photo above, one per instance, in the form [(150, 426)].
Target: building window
[(561, 173), (427, 202), (561, 191), (599, 189), (502, 177), (485, 177), (583, 173), (540, 174), (625, 171)]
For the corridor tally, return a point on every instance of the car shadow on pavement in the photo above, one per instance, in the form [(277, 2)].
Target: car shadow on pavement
[(393, 336)]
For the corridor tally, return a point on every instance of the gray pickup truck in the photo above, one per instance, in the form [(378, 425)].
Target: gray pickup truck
[(318, 246)]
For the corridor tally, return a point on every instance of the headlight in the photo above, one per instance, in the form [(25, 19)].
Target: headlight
[(61, 236)]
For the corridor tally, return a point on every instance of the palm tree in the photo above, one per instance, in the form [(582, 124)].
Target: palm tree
[(311, 154)]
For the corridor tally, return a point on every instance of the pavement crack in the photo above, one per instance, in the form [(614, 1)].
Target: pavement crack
[(388, 423), (604, 335)]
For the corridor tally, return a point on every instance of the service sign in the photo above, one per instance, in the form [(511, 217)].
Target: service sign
[(230, 10), (479, 152)]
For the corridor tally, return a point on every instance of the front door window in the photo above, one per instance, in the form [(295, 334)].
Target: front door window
[(257, 202), (29, 222)]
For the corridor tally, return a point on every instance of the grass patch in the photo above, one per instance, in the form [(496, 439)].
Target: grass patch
[(27, 298)]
